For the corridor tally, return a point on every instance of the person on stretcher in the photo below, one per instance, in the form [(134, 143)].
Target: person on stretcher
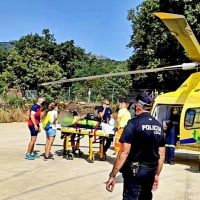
[(72, 109), (122, 119)]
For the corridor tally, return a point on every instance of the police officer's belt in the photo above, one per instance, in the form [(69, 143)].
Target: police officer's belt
[(149, 165)]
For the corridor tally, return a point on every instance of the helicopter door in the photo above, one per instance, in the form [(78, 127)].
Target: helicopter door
[(162, 113)]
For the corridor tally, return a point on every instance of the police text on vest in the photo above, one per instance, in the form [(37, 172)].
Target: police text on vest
[(156, 129)]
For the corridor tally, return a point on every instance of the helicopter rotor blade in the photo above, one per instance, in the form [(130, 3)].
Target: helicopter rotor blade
[(179, 27), (184, 66)]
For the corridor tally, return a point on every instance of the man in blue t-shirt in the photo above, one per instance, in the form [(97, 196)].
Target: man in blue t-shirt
[(105, 113), (34, 127), (142, 154)]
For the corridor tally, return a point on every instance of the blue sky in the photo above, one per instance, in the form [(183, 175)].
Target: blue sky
[(98, 26)]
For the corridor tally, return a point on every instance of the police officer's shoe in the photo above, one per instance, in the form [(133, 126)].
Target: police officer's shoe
[(172, 162), (166, 162)]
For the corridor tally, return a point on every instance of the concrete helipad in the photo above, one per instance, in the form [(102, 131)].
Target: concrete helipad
[(77, 179)]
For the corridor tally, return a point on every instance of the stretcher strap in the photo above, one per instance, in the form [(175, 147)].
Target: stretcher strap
[(95, 130), (75, 124)]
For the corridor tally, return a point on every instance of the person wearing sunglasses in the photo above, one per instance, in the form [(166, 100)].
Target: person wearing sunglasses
[(105, 113)]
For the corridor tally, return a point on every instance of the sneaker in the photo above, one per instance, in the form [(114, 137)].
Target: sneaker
[(29, 157), (172, 162), (48, 158), (35, 156)]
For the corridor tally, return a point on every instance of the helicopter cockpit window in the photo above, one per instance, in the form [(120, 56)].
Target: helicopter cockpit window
[(192, 118)]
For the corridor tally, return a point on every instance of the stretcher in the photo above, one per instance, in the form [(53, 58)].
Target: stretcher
[(96, 131)]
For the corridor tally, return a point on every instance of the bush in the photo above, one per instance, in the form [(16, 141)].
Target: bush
[(21, 114), (13, 115), (14, 100)]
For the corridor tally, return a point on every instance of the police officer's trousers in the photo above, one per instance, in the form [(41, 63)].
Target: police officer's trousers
[(139, 187), (170, 145)]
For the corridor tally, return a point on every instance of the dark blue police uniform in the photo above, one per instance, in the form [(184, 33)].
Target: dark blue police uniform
[(146, 135), (170, 144), (106, 118), (171, 138)]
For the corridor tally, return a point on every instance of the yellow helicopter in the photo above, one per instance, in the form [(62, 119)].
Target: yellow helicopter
[(185, 101)]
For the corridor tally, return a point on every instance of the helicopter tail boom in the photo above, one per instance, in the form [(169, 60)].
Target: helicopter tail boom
[(184, 66)]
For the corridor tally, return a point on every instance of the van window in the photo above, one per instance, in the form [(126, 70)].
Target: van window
[(192, 118)]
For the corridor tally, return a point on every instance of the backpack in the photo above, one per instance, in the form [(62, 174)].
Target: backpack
[(46, 123), (92, 116)]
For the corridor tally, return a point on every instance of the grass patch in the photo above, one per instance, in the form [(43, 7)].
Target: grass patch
[(13, 115)]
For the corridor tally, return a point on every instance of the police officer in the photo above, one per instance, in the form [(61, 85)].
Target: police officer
[(141, 156)]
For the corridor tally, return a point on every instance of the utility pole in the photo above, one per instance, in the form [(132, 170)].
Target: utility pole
[(89, 93), (112, 94), (69, 95)]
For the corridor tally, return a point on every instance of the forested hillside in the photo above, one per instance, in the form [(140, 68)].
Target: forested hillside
[(36, 58), (6, 45)]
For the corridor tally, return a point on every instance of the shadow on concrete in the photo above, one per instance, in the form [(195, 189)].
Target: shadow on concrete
[(55, 145), (50, 155), (119, 179), (111, 160), (43, 154), (112, 148), (186, 156), (189, 159), (193, 170), (60, 145), (59, 152), (36, 151), (88, 147)]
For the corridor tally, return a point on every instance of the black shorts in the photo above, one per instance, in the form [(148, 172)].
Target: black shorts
[(33, 131)]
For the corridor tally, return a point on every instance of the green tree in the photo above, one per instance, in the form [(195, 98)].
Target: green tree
[(69, 57), (37, 59), (101, 87), (153, 44), (29, 71), (3, 59)]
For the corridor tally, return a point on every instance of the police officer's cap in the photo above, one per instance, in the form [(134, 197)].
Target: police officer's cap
[(144, 99)]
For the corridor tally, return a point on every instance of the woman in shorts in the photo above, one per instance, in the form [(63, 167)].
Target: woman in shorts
[(51, 133)]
